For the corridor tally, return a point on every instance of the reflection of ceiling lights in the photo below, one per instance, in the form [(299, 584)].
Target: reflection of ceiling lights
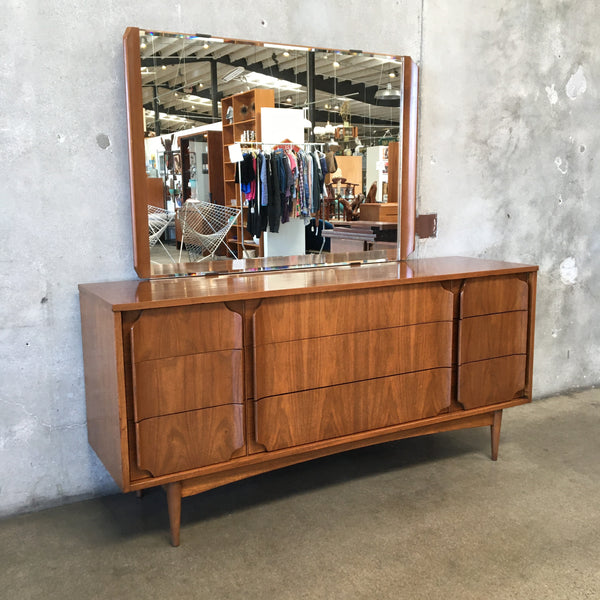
[(289, 99), (143, 43), (388, 95), (261, 80), (336, 64), (233, 74), (196, 100)]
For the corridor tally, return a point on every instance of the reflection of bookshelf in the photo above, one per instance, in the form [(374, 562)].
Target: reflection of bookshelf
[(245, 117)]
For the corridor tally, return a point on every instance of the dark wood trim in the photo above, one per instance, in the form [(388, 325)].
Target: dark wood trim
[(408, 208), (137, 160)]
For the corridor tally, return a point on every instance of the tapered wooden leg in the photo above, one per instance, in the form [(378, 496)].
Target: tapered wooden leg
[(495, 429), (174, 505), (139, 493)]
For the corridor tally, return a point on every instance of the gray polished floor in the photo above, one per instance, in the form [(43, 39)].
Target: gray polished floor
[(422, 518)]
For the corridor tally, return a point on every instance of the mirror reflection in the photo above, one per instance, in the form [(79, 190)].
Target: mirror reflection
[(264, 150)]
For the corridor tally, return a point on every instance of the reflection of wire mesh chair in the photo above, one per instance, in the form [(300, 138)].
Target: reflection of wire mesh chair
[(158, 220), (204, 227)]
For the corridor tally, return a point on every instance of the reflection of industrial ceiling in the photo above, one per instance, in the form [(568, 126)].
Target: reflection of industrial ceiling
[(182, 74)]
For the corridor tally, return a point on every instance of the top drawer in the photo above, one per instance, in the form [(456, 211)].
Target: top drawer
[(167, 332), (334, 313), (490, 295)]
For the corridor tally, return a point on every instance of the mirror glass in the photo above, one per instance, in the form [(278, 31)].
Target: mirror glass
[(260, 156)]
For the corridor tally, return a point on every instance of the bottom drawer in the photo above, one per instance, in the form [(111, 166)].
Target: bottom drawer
[(491, 381), (314, 415), (189, 440)]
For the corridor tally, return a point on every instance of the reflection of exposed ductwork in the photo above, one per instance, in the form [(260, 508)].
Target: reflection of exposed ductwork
[(233, 74)]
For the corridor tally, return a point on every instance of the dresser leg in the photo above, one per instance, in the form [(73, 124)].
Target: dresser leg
[(174, 505), (495, 429)]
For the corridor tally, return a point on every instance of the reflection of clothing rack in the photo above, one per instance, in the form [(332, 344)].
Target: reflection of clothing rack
[(282, 183), (280, 143)]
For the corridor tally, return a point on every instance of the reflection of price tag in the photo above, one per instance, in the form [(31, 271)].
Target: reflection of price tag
[(238, 264), (235, 153)]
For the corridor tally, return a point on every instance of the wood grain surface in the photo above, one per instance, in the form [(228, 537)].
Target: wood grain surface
[(185, 330), (304, 364), (493, 295), (183, 441), (304, 417), (317, 315), (491, 381), (494, 335), (170, 385), (165, 292)]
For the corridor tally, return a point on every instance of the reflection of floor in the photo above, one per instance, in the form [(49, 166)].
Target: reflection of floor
[(160, 255)]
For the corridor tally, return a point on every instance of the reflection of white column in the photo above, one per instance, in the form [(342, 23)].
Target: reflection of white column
[(288, 242), (376, 169), (277, 125)]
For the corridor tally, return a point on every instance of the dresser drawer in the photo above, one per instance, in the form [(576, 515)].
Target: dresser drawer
[(181, 383), (166, 332), (493, 295), (319, 315), (189, 440), (315, 415), (491, 336), (287, 367), (491, 381)]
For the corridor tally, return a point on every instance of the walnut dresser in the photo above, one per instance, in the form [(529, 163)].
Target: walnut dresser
[(196, 382)]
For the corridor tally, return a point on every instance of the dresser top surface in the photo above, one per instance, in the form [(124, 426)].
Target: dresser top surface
[(157, 293)]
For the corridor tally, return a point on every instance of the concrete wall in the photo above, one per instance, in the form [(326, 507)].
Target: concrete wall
[(507, 147)]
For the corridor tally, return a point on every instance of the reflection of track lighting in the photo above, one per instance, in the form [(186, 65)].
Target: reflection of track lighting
[(143, 42), (233, 74)]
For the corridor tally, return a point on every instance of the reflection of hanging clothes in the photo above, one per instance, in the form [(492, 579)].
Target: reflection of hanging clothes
[(248, 174), (317, 181), (274, 207)]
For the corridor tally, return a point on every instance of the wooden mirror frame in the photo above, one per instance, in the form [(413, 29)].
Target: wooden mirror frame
[(137, 165)]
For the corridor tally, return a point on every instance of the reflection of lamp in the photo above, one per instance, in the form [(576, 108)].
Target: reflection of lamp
[(388, 96), (329, 128), (305, 120)]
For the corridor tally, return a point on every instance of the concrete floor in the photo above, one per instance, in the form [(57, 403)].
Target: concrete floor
[(423, 518)]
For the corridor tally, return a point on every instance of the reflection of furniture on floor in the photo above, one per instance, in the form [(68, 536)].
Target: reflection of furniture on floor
[(341, 201), (158, 221), (356, 236), (379, 211), (204, 227), (315, 241)]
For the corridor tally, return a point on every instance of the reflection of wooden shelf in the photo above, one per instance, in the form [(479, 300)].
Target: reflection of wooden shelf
[(244, 119)]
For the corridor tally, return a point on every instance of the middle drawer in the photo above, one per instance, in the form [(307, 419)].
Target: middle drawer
[(181, 383), (284, 367)]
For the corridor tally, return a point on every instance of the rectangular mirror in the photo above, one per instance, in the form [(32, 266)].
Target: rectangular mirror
[(248, 156)]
